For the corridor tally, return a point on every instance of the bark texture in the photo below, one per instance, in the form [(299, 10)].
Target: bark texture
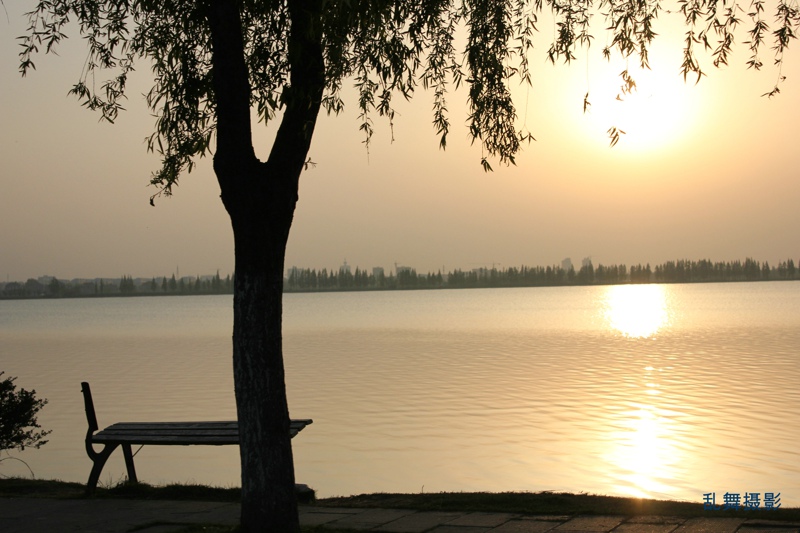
[(260, 198)]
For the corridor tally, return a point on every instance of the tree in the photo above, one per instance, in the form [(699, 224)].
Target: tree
[(33, 288), (214, 60), (18, 425), (55, 287), (126, 285)]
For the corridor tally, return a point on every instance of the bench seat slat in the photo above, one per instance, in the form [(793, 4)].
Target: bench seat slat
[(111, 435), (215, 424), (112, 430), (179, 433), (225, 424), (167, 440)]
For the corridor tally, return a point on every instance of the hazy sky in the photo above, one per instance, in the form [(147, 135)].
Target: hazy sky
[(706, 171)]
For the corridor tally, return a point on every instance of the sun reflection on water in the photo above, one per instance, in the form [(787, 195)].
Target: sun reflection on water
[(636, 311), (643, 454)]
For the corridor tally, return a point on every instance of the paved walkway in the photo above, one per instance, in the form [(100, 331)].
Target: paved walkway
[(31, 515)]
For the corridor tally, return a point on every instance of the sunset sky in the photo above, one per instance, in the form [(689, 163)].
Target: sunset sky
[(704, 171)]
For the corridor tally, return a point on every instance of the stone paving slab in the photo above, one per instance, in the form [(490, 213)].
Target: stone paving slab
[(590, 524), (765, 529), (553, 517), (650, 524), (675, 520), (645, 528), (753, 524), (482, 519), (710, 525), (335, 510), (460, 529), (419, 522), (526, 525), (370, 518), (31, 515), (319, 519)]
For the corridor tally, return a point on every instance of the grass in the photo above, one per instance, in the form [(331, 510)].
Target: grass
[(188, 492), (47, 488), (548, 503), (11, 487), (539, 503)]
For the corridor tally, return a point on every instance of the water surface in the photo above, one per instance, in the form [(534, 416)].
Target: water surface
[(666, 391)]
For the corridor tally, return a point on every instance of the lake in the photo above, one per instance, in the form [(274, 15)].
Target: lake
[(662, 391)]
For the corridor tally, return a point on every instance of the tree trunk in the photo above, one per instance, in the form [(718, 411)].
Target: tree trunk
[(260, 199), (268, 498)]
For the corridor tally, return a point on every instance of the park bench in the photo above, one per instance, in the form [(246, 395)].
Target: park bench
[(127, 434)]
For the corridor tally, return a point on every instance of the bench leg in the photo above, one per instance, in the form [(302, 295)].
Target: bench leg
[(126, 451), (99, 460)]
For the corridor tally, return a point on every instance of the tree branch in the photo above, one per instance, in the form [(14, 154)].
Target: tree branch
[(231, 85), (303, 97)]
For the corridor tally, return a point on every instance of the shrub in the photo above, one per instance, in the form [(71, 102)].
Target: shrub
[(18, 409)]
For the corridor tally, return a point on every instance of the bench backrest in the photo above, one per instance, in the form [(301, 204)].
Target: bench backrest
[(88, 404)]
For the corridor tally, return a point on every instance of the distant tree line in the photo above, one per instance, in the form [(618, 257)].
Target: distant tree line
[(682, 271), (123, 286), (312, 280)]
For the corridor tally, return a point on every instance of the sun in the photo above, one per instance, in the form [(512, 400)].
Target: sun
[(645, 109)]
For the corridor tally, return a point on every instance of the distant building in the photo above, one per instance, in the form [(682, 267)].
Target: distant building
[(587, 262), (345, 268), (377, 272), (402, 270), (566, 264), (481, 272)]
